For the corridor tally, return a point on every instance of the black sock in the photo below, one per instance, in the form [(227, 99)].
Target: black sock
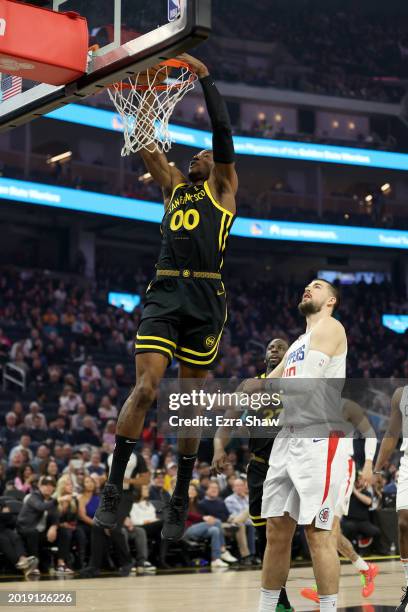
[(121, 455), (184, 474), (283, 599)]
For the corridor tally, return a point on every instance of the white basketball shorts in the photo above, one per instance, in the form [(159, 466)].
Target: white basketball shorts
[(304, 479)]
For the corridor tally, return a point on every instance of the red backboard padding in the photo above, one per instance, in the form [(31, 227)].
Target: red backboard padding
[(42, 45)]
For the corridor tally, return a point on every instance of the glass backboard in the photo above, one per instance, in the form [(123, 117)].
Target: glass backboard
[(126, 36)]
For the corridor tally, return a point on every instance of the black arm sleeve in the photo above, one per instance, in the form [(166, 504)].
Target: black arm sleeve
[(223, 146)]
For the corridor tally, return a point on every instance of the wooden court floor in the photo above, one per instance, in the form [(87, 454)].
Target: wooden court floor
[(218, 591)]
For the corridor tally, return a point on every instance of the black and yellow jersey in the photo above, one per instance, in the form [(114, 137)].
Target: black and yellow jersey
[(195, 229), (262, 447)]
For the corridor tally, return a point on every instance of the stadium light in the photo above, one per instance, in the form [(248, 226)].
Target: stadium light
[(62, 157), (386, 188), (369, 198)]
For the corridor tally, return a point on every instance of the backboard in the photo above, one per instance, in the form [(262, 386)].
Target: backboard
[(127, 36)]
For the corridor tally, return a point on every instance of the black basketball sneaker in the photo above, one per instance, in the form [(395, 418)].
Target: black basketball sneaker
[(106, 514)]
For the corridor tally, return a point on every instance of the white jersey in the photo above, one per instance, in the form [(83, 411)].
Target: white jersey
[(404, 413), (297, 353), (312, 408)]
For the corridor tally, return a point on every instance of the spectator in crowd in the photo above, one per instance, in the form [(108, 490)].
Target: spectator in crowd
[(99, 538), (138, 541), (59, 432), (87, 434), (69, 399), (88, 502), (77, 421), (35, 411), (238, 508), (358, 522), (108, 436), (95, 465), (36, 432), (24, 445), (213, 504), (68, 530), (11, 544), (26, 477), (228, 489), (37, 521), (15, 466), (106, 410), (199, 527), (41, 456), (143, 514), (10, 432), (49, 467), (90, 373), (157, 493), (18, 410)]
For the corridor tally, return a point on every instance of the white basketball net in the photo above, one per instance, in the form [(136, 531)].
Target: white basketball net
[(145, 102)]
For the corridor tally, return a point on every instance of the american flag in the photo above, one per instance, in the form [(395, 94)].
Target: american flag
[(10, 86)]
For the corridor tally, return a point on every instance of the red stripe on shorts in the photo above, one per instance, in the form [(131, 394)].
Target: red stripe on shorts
[(350, 471), (333, 443)]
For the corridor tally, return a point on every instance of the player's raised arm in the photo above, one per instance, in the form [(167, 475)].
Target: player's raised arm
[(392, 435), (223, 177)]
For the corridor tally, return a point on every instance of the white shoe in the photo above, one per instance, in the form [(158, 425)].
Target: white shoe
[(219, 563), (146, 568), (227, 557)]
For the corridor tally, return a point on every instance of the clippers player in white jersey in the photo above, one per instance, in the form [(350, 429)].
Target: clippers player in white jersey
[(354, 414), (303, 482), (398, 423)]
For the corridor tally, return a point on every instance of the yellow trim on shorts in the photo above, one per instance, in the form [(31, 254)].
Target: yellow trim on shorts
[(255, 518), (194, 361), (216, 345), (154, 346), (214, 201), (197, 353), (156, 338), (256, 524)]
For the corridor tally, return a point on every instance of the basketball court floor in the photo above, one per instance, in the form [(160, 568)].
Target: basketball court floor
[(216, 591)]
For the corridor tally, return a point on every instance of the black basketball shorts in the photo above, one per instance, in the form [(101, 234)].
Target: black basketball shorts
[(183, 318)]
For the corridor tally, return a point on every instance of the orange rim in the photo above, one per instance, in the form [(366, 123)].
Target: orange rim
[(171, 63)]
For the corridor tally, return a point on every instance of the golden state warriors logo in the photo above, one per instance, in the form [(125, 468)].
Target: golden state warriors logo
[(210, 341)]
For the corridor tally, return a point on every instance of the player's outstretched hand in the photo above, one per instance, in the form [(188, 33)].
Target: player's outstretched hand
[(199, 68), (219, 461)]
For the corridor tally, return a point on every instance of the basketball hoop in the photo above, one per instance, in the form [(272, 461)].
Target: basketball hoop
[(146, 100)]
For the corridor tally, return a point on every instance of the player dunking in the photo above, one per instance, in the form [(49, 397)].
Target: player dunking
[(301, 486), (185, 308)]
